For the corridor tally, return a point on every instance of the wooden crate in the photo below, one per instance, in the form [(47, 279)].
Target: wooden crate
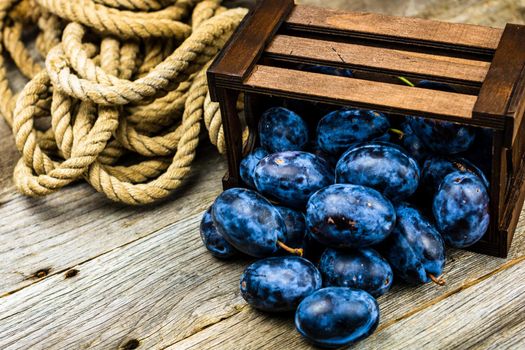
[(486, 66)]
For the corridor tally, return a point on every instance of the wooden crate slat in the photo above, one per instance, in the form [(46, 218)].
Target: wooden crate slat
[(502, 92), (365, 94), (405, 63), (405, 29)]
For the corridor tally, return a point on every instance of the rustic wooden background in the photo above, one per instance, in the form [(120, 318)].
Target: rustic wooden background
[(79, 271)]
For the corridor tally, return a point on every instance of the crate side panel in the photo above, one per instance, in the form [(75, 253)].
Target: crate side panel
[(497, 95)]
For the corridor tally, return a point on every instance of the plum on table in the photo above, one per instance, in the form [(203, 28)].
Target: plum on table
[(415, 249), (213, 240), (250, 223), (356, 268), (291, 177), (337, 316), (279, 283), (346, 216)]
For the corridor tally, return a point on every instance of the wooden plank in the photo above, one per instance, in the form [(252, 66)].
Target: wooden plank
[(254, 33), (158, 290), (404, 29), (500, 84), (165, 288), (78, 223), (359, 93), (406, 63), (460, 318)]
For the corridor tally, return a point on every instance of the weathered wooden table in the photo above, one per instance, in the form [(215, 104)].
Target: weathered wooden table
[(79, 271)]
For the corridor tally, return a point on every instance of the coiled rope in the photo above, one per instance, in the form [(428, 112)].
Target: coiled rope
[(124, 86)]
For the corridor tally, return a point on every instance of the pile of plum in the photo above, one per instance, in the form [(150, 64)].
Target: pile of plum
[(336, 212)]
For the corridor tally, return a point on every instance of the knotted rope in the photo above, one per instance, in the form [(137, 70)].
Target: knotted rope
[(124, 86)]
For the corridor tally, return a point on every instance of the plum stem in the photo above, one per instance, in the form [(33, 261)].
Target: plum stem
[(398, 132), (406, 81), (440, 281), (296, 251)]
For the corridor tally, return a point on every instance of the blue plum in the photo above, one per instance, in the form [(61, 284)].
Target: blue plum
[(337, 316), (213, 240), (413, 144), (461, 209), (357, 268), (345, 216), (280, 130), (441, 136), (279, 283), (380, 166), (436, 168), (291, 177), (340, 129), (249, 163), (415, 249), (295, 223), (248, 221), (341, 72)]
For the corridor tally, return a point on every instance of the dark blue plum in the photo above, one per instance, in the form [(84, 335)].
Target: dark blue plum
[(436, 168), (383, 167), (356, 268), (340, 72), (213, 240), (413, 144), (291, 177), (280, 130), (337, 316), (248, 222), (279, 283), (415, 249), (440, 136), (461, 209), (340, 129), (249, 163), (295, 223), (345, 216)]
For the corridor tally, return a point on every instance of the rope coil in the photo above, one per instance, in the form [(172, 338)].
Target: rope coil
[(123, 79)]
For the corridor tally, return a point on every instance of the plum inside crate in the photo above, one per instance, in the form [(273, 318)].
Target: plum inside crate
[(486, 66)]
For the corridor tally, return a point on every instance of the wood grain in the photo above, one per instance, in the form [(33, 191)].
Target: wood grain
[(405, 63), (503, 78), (464, 311), (365, 94), (157, 290), (77, 224), (389, 27), (253, 34)]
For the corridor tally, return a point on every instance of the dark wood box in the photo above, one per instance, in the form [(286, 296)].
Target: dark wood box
[(486, 65)]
